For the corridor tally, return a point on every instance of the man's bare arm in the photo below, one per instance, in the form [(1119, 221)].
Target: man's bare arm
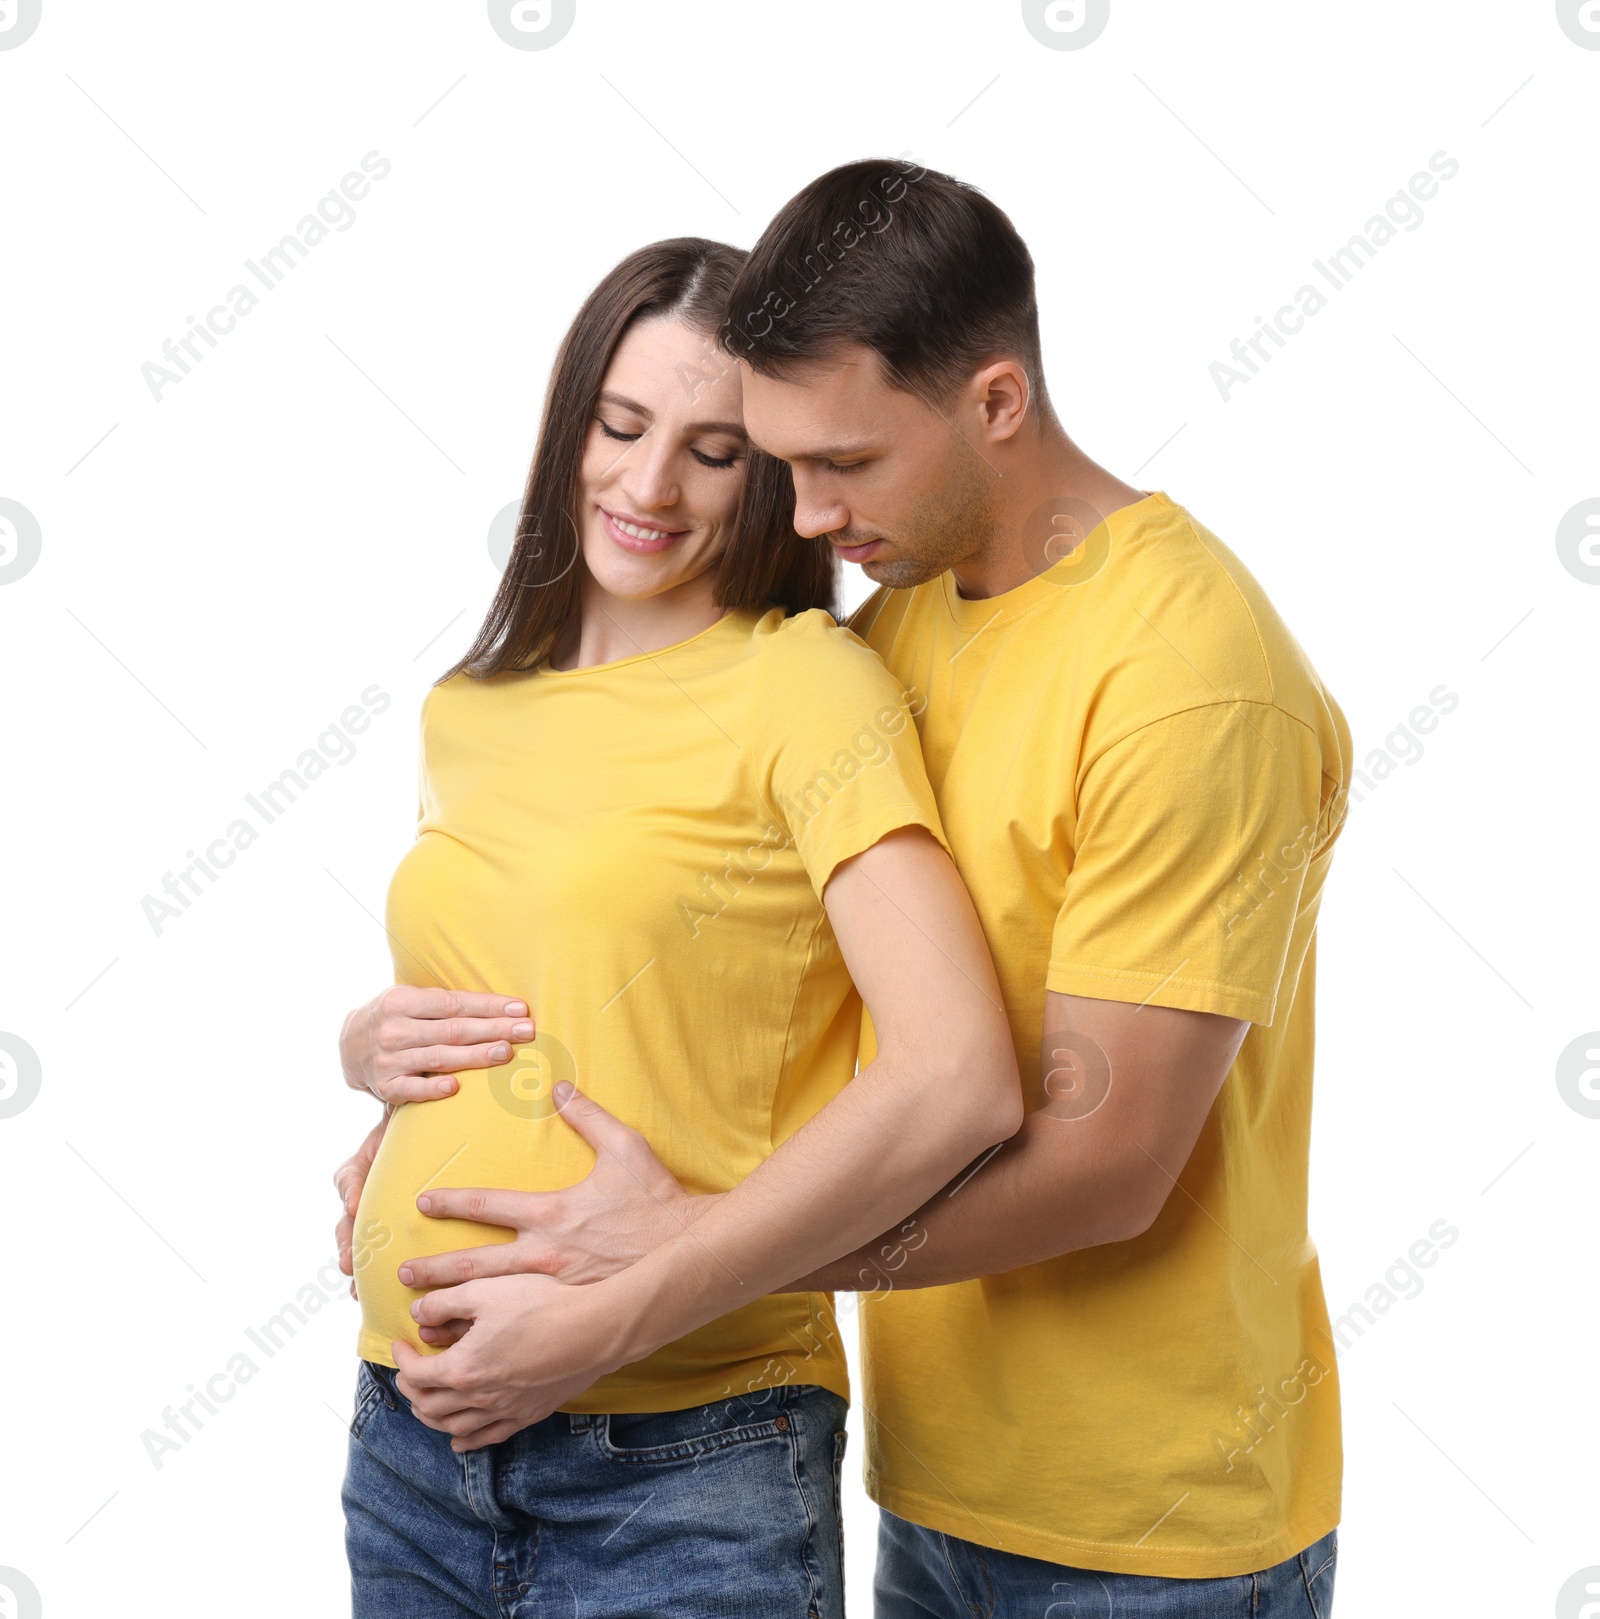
[(1126, 1091)]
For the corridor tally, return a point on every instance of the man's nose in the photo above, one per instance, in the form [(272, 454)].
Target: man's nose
[(817, 513)]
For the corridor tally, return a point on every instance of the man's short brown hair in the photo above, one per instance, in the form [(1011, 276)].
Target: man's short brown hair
[(916, 265)]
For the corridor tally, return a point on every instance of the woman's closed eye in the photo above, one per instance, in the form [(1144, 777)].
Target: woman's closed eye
[(703, 457), (727, 460)]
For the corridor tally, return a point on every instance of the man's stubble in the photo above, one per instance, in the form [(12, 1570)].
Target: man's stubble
[(949, 525)]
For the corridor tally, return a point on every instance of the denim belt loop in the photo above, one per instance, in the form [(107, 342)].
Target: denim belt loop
[(478, 1479)]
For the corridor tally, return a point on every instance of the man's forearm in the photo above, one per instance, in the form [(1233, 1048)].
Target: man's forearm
[(942, 1088), (1073, 1176), (867, 1160), (1053, 1188)]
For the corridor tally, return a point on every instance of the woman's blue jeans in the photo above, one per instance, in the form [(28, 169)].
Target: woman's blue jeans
[(723, 1511)]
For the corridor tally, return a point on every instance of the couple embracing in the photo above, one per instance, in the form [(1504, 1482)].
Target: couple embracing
[(962, 958)]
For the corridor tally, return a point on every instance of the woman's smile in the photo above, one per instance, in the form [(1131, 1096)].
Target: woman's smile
[(638, 535)]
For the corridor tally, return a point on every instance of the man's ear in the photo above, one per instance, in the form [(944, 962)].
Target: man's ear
[(1001, 395)]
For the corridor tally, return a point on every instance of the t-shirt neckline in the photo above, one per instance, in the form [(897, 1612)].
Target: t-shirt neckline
[(975, 613), (740, 616)]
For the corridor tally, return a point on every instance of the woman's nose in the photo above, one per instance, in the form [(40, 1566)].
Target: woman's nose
[(649, 475)]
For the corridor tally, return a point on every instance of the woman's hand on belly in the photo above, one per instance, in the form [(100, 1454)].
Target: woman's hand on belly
[(532, 1344), (405, 1044), (348, 1180), (626, 1206)]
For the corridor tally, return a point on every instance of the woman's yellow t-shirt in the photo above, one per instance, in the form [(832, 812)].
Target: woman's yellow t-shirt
[(638, 850)]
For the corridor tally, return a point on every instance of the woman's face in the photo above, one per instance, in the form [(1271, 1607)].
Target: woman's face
[(664, 462)]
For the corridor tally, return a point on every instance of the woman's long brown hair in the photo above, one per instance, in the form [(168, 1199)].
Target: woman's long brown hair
[(765, 564)]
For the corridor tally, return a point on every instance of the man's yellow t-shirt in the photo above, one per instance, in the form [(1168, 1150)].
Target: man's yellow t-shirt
[(638, 850), (1141, 778)]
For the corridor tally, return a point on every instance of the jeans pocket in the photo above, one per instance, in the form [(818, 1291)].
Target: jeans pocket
[(1318, 1566), (369, 1396), (730, 1500), (841, 1440), (374, 1387), (673, 1436)]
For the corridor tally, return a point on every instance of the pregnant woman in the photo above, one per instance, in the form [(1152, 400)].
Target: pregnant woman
[(673, 819)]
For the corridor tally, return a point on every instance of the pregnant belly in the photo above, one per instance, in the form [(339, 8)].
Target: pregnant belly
[(470, 1139)]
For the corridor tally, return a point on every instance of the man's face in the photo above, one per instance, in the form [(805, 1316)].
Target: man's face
[(891, 483)]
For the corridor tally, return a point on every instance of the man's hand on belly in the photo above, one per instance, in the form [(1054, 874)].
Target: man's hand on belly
[(626, 1206)]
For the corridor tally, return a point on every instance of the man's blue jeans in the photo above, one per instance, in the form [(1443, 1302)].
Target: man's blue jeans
[(724, 1511), (926, 1575)]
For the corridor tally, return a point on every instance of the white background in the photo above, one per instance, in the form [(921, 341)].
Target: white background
[(305, 516)]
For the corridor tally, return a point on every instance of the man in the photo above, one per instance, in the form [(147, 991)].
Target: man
[(1099, 1375)]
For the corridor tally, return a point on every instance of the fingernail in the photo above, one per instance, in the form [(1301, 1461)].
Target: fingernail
[(564, 1092), (522, 1031), (425, 1204), (446, 1086), (501, 1052), (516, 1008), (416, 1309), (405, 1274)]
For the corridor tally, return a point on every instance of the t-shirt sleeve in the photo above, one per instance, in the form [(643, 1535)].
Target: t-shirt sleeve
[(1194, 836), (837, 748)]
